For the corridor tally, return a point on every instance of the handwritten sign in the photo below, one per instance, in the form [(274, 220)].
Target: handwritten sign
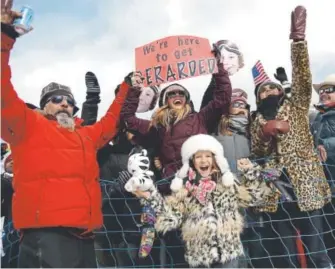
[(174, 58)]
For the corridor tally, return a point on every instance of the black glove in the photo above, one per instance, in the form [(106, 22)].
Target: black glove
[(92, 83), (93, 88), (127, 78), (281, 75)]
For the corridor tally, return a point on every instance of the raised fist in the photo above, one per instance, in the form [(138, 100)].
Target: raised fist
[(134, 79), (7, 14), (298, 23)]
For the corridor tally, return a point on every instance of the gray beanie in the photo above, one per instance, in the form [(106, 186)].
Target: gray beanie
[(53, 89)]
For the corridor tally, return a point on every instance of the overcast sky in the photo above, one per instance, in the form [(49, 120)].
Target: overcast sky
[(72, 37)]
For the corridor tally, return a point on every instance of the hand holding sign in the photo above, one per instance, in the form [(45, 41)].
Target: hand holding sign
[(134, 79), (137, 80), (174, 58)]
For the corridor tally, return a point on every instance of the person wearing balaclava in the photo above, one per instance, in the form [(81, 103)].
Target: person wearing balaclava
[(323, 130), (280, 134)]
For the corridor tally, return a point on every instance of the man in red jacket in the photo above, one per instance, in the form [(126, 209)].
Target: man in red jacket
[(57, 198)]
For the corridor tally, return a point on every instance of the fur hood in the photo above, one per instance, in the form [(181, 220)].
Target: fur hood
[(190, 147)]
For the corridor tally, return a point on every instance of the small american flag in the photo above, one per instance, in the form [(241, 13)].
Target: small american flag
[(259, 74)]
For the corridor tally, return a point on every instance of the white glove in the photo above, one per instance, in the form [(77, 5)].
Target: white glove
[(138, 162), (140, 181)]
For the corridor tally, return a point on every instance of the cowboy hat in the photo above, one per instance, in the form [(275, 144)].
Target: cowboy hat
[(329, 81)]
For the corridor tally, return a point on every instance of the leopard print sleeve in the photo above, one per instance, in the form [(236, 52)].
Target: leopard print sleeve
[(259, 148), (301, 75), (253, 190), (169, 211)]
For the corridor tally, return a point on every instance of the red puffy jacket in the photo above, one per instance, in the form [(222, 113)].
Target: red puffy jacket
[(56, 179)]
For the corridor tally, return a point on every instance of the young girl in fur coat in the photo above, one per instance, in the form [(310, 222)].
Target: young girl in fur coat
[(205, 201)]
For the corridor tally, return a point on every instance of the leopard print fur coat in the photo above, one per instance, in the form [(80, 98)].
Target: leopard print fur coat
[(294, 150)]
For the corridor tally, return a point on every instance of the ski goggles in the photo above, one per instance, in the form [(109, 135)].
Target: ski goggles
[(239, 104), (57, 99), (175, 93), (327, 90)]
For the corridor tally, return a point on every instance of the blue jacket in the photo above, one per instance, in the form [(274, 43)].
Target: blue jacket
[(323, 130)]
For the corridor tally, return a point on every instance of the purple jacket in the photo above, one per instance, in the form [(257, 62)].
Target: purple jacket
[(168, 142)]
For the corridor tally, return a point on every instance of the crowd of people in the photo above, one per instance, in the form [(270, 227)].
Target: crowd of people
[(220, 186)]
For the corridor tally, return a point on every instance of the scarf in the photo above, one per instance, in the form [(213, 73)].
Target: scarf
[(324, 108), (268, 107), (238, 123), (199, 187)]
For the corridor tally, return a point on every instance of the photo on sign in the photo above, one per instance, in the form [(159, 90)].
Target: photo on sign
[(231, 56)]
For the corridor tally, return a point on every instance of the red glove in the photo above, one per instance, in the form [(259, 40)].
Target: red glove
[(274, 127), (298, 23)]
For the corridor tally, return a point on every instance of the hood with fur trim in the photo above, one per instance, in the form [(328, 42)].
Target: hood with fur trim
[(193, 145)]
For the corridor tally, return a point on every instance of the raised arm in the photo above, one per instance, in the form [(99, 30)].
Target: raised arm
[(208, 95), (301, 74), (219, 105), (128, 114), (105, 129), (17, 121), (89, 112)]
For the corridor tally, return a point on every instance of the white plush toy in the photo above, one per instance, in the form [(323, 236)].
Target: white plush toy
[(138, 167), (138, 162)]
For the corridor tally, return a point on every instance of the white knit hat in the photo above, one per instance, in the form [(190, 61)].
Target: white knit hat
[(190, 147)]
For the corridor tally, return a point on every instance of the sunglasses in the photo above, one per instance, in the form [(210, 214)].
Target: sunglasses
[(327, 90), (57, 99), (175, 93), (239, 105)]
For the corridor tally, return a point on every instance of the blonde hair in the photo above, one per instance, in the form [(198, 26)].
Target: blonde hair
[(223, 126), (166, 116)]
